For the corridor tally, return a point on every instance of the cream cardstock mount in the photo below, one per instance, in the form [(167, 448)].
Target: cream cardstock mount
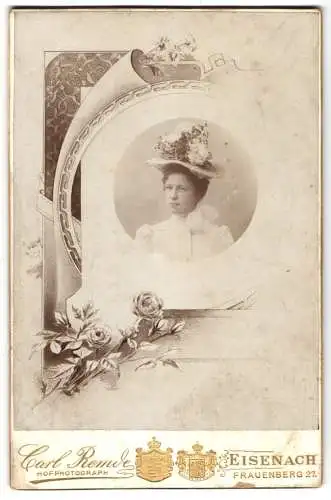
[(262, 359)]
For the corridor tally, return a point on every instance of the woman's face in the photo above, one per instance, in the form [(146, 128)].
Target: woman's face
[(180, 194)]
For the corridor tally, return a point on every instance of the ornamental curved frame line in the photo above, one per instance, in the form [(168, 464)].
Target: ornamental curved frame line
[(62, 198)]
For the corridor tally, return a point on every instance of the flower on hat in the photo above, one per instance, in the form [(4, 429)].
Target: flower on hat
[(187, 143)]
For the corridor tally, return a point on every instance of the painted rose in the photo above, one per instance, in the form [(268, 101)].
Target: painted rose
[(99, 336), (147, 305)]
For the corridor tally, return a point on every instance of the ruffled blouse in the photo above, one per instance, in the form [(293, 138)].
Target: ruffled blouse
[(194, 237)]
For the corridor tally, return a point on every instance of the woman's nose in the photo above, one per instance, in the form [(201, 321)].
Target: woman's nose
[(173, 194)]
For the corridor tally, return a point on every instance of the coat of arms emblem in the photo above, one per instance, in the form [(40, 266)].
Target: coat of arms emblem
[(196, 465), (154, 464)]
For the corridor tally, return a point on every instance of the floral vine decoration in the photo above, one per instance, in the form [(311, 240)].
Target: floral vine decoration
[(169, 52), (33, 250), (166, 52), (78, 354)]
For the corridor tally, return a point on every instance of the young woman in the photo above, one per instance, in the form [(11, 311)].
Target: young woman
[(191, 232)]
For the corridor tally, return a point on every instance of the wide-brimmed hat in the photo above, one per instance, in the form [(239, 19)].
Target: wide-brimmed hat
[(187, 146)]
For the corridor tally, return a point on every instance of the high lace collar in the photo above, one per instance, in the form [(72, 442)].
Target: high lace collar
[(199, 220)]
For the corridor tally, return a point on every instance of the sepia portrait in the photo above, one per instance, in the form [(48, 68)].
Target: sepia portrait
[(180, 223)]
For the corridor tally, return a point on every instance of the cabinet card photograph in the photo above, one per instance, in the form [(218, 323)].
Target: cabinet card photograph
[(165, 188)]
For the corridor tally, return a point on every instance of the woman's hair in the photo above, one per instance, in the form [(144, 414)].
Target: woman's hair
[(200, 184)]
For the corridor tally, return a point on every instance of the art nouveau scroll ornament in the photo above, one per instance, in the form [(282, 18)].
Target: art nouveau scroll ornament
[(132, 74), (78, 346)]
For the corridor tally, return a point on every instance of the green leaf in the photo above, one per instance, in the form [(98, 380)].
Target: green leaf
[(132, 343), (163, 326), (76, 344), (65, 338), (151, 364), (92, 365), (168, 353), (55, 347), (113, 363), (86, 312), (73, 360), (57, 380), (134, 328), (59, 370), (108, 364), (114, 355), (147, 346), (38, 347), (77, 312), (111, 378), (89, 310), (87, 323), (83, 352), (48, 334), (93, 315), (178, 327), (131, 331), (50, 386), (170, 362), (61, 319)]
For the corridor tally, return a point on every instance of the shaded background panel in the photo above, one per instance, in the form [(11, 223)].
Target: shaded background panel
[(139, 197)]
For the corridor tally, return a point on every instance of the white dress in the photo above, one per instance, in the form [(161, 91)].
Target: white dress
[(185, 239)]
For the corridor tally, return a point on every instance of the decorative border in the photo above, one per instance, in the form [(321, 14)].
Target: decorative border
[(65, 75), (62, 199)]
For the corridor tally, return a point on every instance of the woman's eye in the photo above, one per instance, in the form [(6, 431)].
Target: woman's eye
[(176, 188)]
